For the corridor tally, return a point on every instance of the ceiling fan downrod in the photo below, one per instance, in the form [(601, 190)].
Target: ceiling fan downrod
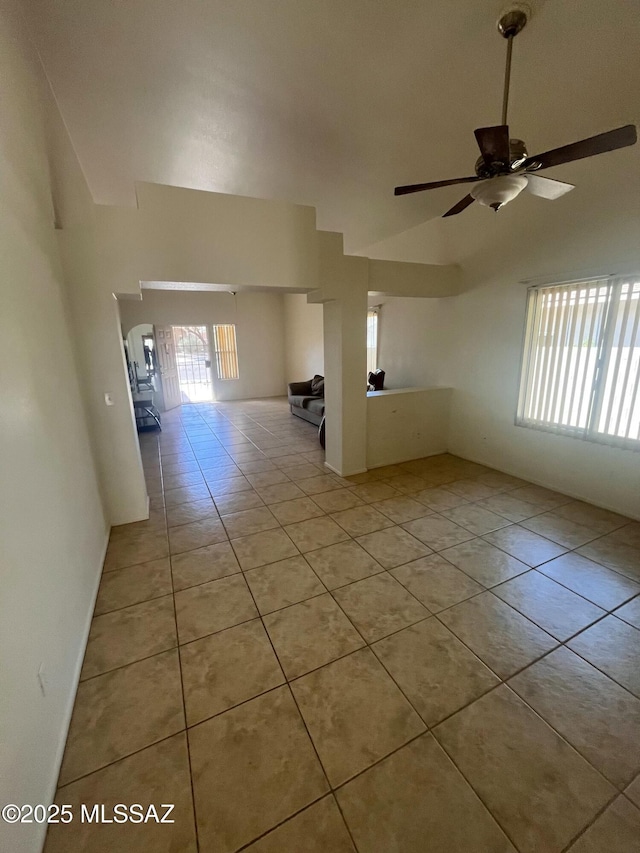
[(509, 25)]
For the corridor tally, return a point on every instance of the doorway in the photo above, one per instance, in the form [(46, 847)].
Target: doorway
[(193, 360)]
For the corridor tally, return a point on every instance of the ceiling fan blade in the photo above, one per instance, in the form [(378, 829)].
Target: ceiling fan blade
[(609, 141), (547, 187), (460, 206), (493, 143), (416, 188)]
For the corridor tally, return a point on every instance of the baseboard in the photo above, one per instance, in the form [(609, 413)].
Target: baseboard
[(350, 474), (76, 681), (545, 485), (406, 459)]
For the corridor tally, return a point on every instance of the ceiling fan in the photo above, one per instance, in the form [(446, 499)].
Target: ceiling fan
[(504, 169)]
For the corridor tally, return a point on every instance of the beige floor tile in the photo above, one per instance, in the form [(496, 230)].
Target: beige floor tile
[(258, 466), (599, 718), (213, 606), (129, 634), (120, 712), (283, 583), (617, 830), (436, 583), (559, 529), (438, 532), (600, 520), (498, 480), (633, 791), (376, 491), (512, 508), (177, 481), (311, 634), (318, 829), (337, 499), (614, 553), (304, 471), (249, 521), (315, 533), (197, 534), (540, 496), (158, 774), (299, 509), (319, 485), (484, 562), (355, 714), (280, 492), (503, 638), (513, 759), (434, 670), (630, 612), (379, 605), (185, 494), (130, 551), (439, 498), (602, 586), (343, 563), (412, 802), (238, 501), (193, 511), (629, 534), (253, 767), (268, 478), (614, 647), (393, 546), (475, 518), (203, 564), (401, 509), (361, 520), (524, 545), (124, 587), (408, 484), (262, 548), (554, 608), (229, 487), (472, 490), (227, 668)]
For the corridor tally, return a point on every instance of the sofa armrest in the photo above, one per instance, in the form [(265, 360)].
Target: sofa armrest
[(300, 388)]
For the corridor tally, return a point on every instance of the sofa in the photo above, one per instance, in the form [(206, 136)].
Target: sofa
[(306, 399)]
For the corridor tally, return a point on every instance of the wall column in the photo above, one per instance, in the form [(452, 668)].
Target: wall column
[(345, 360)]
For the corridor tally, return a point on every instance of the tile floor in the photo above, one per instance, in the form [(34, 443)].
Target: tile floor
[(433, 656)]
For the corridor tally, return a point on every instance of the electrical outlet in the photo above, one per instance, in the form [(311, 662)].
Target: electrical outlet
[(42, 679), (108, 399)]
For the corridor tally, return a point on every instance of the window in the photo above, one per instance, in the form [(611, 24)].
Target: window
[(224, 344), (372, 340), (581, 365)]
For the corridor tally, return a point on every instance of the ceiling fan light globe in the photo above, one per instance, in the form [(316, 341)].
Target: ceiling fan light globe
[(500, 190)]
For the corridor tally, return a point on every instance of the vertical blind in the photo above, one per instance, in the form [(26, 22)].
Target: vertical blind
[(372, 340), (581, 365), (224, 343)]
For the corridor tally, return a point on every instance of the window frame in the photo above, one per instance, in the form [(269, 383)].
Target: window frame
[(606, 329)]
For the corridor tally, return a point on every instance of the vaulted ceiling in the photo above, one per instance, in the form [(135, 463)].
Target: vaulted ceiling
[(328, 102)]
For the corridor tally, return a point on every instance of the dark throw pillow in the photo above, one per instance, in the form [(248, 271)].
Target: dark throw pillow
[(317, 386)]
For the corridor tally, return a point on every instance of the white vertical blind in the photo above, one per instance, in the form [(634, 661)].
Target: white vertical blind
[(372, 340), (581, 364), (224, 343)]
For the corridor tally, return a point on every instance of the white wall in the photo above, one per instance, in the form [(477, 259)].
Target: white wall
[(406, 425), (259, 321), (52, 526), (304, 340), (413, 341)]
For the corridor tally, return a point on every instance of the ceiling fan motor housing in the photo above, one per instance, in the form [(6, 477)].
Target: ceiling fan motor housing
[(517, 154)]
